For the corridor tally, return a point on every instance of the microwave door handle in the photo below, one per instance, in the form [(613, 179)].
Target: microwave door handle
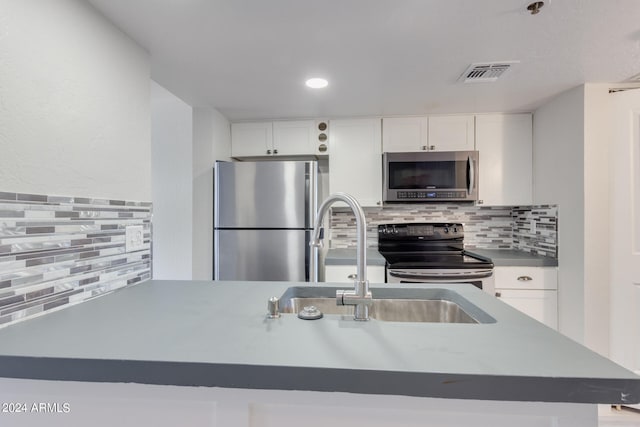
[(471, 175)]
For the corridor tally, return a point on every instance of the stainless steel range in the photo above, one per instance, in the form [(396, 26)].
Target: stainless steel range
[(432, 253)]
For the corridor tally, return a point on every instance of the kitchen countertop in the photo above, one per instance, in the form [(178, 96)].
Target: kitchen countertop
[(215, 334), (515, 258), (348, 257), (499, 257)]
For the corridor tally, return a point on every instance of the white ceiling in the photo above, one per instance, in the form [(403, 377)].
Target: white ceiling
[(249, 58)]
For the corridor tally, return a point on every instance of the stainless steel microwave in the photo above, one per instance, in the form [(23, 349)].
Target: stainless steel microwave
[(434, 176)]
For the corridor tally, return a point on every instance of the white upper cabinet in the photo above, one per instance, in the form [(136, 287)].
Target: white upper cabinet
[(294, 138), (451, 133), (433, 133), (402, 134), (504, 142), (355, 160), (251, 139), (280, 138)]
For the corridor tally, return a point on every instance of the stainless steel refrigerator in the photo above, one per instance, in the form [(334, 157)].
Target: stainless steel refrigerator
[(263, 219)]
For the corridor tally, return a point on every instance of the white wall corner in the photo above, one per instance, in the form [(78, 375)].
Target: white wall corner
[(211, 142), (597, 137), (172, 185), (558, 176)]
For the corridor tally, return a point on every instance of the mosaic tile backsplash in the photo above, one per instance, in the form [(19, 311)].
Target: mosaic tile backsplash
[(488, 227), (58, 251)]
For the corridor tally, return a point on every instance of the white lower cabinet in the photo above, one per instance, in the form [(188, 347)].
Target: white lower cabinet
[(341, 273), (532, 290)]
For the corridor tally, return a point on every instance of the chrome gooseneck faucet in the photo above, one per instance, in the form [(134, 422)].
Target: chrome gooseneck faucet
[(360, 297)]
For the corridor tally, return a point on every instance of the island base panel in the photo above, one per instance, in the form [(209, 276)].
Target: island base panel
[(64, 403)]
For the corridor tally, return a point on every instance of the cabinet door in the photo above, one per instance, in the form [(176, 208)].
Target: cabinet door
[(251, 139), (401, 134), (355, 160), (294, 138), (341, 273), (526, 277), (505, 145), (451, 133), (542, 305)]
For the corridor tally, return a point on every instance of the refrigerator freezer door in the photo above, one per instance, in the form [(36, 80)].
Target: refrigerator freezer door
[(270, 194), (265, 255)]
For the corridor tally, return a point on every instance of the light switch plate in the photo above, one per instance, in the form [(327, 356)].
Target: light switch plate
[(134, 238)]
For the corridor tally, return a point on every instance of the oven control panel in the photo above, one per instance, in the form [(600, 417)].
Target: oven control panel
[(420, 231)]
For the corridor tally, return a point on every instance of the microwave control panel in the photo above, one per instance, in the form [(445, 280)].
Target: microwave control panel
[(431, 194)]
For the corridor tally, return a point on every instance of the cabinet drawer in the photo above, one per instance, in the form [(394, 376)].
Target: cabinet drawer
[(526, 277)]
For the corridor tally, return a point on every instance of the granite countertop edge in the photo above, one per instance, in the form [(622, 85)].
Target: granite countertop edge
[(261, 377)]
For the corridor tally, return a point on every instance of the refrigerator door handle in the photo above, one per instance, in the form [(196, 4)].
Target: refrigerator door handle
[(216, 246), (309, 194), (309, 264)]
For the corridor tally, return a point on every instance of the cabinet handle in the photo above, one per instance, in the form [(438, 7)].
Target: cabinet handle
[(275, 151), (480, 202), (432, 147), (525, 278), (424, 147), (352, 276), (268, 151), (498, 294), (378, 203)]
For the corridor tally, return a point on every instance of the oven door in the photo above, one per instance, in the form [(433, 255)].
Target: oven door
[(482, 278)]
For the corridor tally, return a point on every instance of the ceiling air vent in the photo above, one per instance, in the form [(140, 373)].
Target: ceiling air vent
[(486, 72)]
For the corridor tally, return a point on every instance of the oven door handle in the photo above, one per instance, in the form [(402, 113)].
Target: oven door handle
[(478, 274)]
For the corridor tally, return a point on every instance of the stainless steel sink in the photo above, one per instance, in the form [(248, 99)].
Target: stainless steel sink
[(391, 305)]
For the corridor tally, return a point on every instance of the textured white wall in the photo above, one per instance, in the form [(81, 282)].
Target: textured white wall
[(211, 142), (558, 178), (172, 171), (74, 103), (597, 112)]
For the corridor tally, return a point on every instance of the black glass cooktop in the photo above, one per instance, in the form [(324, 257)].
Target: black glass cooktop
[(452, 260)]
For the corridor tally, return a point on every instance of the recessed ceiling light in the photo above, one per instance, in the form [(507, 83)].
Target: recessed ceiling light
[(317, 83)]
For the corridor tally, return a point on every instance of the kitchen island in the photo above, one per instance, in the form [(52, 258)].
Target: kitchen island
[(204, 353)]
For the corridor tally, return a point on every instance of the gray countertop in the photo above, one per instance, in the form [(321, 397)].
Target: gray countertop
[(199, 333), (515, 258), (500, 257), (348, 257)]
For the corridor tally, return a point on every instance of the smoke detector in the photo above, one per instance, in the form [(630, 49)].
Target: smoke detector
[(486, 72)]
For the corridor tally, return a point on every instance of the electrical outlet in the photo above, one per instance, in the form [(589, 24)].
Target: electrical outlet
[(532, 226), (134, 238)]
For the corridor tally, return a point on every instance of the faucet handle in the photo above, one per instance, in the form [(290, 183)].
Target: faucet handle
[(318, 243)]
